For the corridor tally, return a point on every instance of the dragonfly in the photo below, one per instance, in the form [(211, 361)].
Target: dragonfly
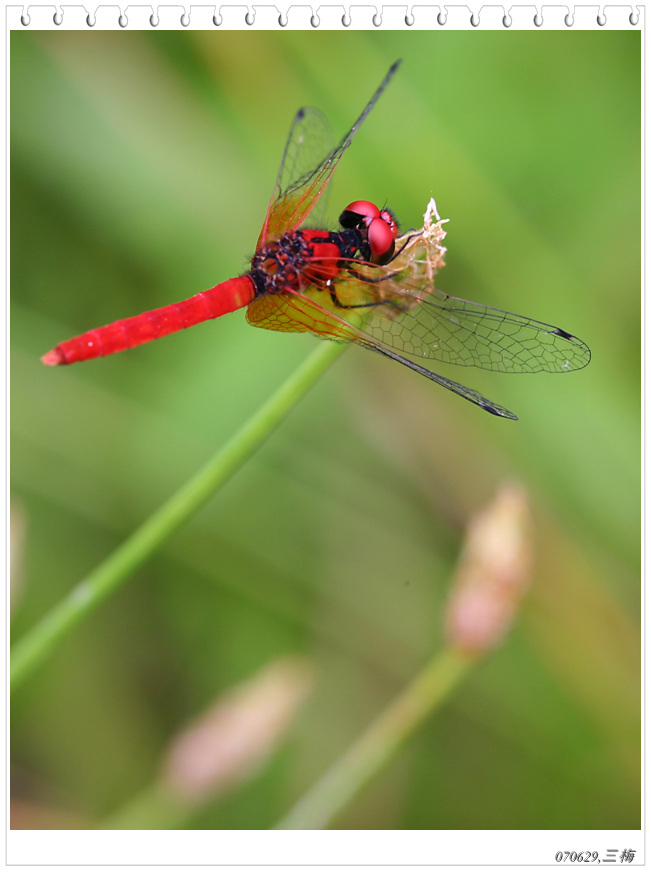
[(361, 283)]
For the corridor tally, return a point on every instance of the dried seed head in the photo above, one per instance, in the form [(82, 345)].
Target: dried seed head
[(493, 573), (420, 252)]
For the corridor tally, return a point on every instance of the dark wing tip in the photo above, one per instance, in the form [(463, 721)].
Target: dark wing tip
[(581, 350), (500, 411)]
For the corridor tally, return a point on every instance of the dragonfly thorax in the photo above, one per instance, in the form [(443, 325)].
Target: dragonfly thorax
[(303, 258)]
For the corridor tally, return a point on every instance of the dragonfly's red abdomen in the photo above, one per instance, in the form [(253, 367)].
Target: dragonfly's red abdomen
[(129, 332)]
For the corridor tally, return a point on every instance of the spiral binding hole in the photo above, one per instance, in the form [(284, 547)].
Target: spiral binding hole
[(315, 21)]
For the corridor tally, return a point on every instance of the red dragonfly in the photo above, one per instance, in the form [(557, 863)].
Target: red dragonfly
[(358, 284)]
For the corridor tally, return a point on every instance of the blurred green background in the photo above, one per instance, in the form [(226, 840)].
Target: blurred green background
[(141, 168)]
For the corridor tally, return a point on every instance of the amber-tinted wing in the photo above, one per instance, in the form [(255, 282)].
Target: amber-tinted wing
[(310, 143), (307, 167), (296, 313)]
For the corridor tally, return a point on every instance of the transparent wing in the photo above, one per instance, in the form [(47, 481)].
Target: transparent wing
[(309, 145), (300, 183), (456, 388), (296, 313), (423, 322)]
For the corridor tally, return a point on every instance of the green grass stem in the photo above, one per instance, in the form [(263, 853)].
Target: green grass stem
[(86, 596), (378, 745)]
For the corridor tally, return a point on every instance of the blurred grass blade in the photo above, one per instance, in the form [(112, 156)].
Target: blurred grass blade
[(487, 587), (378, 745), (109, 575)]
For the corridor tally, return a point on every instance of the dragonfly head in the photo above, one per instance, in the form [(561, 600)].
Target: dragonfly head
[(380, 226)]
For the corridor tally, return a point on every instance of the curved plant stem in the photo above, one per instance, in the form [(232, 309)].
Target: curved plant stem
[(39, 642), (377, 746)]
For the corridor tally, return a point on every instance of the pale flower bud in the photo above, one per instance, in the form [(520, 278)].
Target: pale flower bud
[(228, 743), (492, 575)]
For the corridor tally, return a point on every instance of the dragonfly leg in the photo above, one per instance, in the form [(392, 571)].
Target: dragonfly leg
[(405, 244), (369, 281), (337, 302)]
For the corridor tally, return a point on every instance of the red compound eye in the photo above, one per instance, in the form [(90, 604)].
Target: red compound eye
[(381, 227), (359, 214), (364, 208), (381, 237)]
